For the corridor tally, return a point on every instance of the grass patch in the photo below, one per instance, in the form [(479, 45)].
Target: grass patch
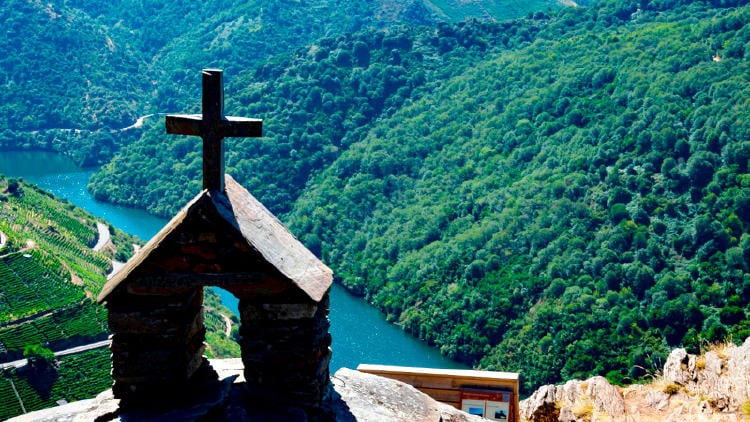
[(583, 409), (745, 407), (671, 388), (700, 362), (721, 349), (668, 387)]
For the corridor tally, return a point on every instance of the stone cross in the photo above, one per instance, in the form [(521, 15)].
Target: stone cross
[(212, 126)]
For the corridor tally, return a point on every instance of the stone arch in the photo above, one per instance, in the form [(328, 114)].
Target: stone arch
[(227, 240)]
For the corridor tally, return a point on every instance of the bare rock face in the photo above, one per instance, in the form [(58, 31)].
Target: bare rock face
[(574, 400), (98, 408), (541, 406), (680, 367), (738, 370), (370, 398), (721, 376), (710, 387)]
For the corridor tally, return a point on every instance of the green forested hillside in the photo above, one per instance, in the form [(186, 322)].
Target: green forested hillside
[(563, 195), (576, 206), (77, 72), (459, 10), (315, 102), (66, 84)]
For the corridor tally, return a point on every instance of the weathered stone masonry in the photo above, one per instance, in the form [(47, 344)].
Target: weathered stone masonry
[(224, 237), (230, 240)]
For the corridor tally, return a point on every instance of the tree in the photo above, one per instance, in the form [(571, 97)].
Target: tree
[(618, 212), (38, 356), (14, 187), (361, 54), (700, 168)]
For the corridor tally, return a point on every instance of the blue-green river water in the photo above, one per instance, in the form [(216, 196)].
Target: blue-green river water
[(360, 332)]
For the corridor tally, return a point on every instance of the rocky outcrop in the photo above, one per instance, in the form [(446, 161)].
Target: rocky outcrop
[(573, 400), (714, 386), (366, 397), (720, 376), (354, 396)]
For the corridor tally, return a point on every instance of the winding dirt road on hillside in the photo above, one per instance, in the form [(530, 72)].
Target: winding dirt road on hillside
[(136, 125), (3, 240), (228, 323), (104, 236)]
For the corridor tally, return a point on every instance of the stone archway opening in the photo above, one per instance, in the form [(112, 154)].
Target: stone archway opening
[(222, 321)]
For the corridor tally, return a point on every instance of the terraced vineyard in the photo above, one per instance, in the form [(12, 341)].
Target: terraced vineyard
[(34, 219), (76, 377), (26, 278), (59, 329), (48, 277)]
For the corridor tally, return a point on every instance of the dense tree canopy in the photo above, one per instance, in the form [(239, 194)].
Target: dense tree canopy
[(568, 208), (75, 73), (316, 103), (562, 195)]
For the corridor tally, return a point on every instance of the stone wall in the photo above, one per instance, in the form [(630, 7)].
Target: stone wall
[(286, 350), (157, 343)]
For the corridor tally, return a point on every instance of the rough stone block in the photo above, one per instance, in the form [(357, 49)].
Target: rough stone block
[(159, 321)]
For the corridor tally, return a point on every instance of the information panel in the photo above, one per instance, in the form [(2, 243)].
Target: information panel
[(493, 405)]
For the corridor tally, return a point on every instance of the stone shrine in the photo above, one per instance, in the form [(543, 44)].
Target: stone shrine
[(224, 237)]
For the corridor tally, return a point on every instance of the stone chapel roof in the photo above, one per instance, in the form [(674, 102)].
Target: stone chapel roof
[(262, 231)]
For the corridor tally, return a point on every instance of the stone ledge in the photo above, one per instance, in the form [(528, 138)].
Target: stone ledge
[(354, 396)]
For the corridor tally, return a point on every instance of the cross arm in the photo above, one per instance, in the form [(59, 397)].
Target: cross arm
[(229, 127), (241, 127), (185, 124)]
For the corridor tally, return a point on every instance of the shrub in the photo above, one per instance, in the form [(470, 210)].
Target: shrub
[(38, 356), (14, 188), (671, 388), (583, 409), (746, 407), (700, 362)]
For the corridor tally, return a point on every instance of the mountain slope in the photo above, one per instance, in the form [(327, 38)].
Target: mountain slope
[(76, 72), (61, 72), (562, 196), (574, 207), (316, 102), (50, 274), (459, 10)]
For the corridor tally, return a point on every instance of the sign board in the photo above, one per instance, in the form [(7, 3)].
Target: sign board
[(493, 405), (492, 394)]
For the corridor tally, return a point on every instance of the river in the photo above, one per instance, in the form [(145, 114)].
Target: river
[(360, 332)]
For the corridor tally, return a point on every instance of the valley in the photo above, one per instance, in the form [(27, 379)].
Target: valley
[(563, 193), (360, 333)]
